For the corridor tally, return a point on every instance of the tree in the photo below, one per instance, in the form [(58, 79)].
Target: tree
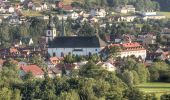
[(143, 73), (165, 97), (70, 95), (16, 95), (5, 94), (28, 76), (127, 77), (154, 74), (113, 52), (134, 94), (86, 30), (146, 28)]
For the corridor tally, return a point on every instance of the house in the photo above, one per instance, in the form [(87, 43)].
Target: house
[(36, 71), (36, 7), (55, 60), (74, 15), (151, 15), (67, 8), (160, 53), (101, 13), (30, 5), (129, 49), (53, 72), (67, 67), (98, 13), (2, 9), (165, 32), (1, 63), (10, 9), (108, 66), (126, 9), (149, 39), (126, 18), (13, 50), (76, 45), (93, 20), (44, 6), (21, 63), (58, 4), (26, 41)]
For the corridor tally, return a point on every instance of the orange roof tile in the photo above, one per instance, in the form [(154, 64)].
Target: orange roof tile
[(130, 45), (32, 68)]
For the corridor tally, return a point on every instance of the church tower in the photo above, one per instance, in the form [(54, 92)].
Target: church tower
[(51, 30)]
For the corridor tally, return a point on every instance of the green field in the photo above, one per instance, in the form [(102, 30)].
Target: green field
[(155, 87), (31, 13), (167, 14)]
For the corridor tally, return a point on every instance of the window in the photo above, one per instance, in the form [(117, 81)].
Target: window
[(95, 49), (78, 50), (49, 32), (54, 54), (62, 54)]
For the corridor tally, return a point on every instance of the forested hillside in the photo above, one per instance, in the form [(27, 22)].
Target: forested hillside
[(164, 4)]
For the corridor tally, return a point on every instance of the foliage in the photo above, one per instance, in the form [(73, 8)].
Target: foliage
[(165, 97)]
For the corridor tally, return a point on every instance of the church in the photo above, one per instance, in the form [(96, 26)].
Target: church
[(76, 45)]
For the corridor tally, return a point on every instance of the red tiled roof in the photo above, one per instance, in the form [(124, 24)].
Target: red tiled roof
[(67, 7), (130, 45), (32, 68), (13, 50), (54, 58), (67, 66), (2, 62)]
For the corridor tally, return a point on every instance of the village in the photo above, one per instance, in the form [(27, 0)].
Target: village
[(137, 46), (54, 39)]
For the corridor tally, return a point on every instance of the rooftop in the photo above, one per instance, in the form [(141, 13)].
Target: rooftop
[(77, 42), (32, 68)]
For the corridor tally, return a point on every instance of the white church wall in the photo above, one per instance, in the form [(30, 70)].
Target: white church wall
[(83, 51)]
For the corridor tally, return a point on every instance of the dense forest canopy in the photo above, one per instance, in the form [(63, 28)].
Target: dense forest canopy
[(164, 4)]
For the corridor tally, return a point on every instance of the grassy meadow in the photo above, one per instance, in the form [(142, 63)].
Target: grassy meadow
[(155, 87)]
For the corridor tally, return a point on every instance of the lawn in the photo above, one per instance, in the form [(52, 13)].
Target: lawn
[(31, 13), (155, 87), (167, 14)]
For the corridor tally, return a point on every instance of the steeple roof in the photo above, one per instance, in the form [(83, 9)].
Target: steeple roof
[(51, 23)]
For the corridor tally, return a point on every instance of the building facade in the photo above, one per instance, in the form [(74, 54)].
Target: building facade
[(75, 45), (129, 49), (50, 32)]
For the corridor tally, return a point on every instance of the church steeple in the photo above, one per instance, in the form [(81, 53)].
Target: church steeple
[(51, 30), (63, 28)]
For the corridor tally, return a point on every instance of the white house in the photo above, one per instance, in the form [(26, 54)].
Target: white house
[(126, 9), (98, 12), (127, 18), (26, 41), (11, 9), (37, 7), (101, 13), (131, 48), (151, 15), (149, 39), (107, 66), (76, 45), (74, 15), (44, 6), (2, 10)]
